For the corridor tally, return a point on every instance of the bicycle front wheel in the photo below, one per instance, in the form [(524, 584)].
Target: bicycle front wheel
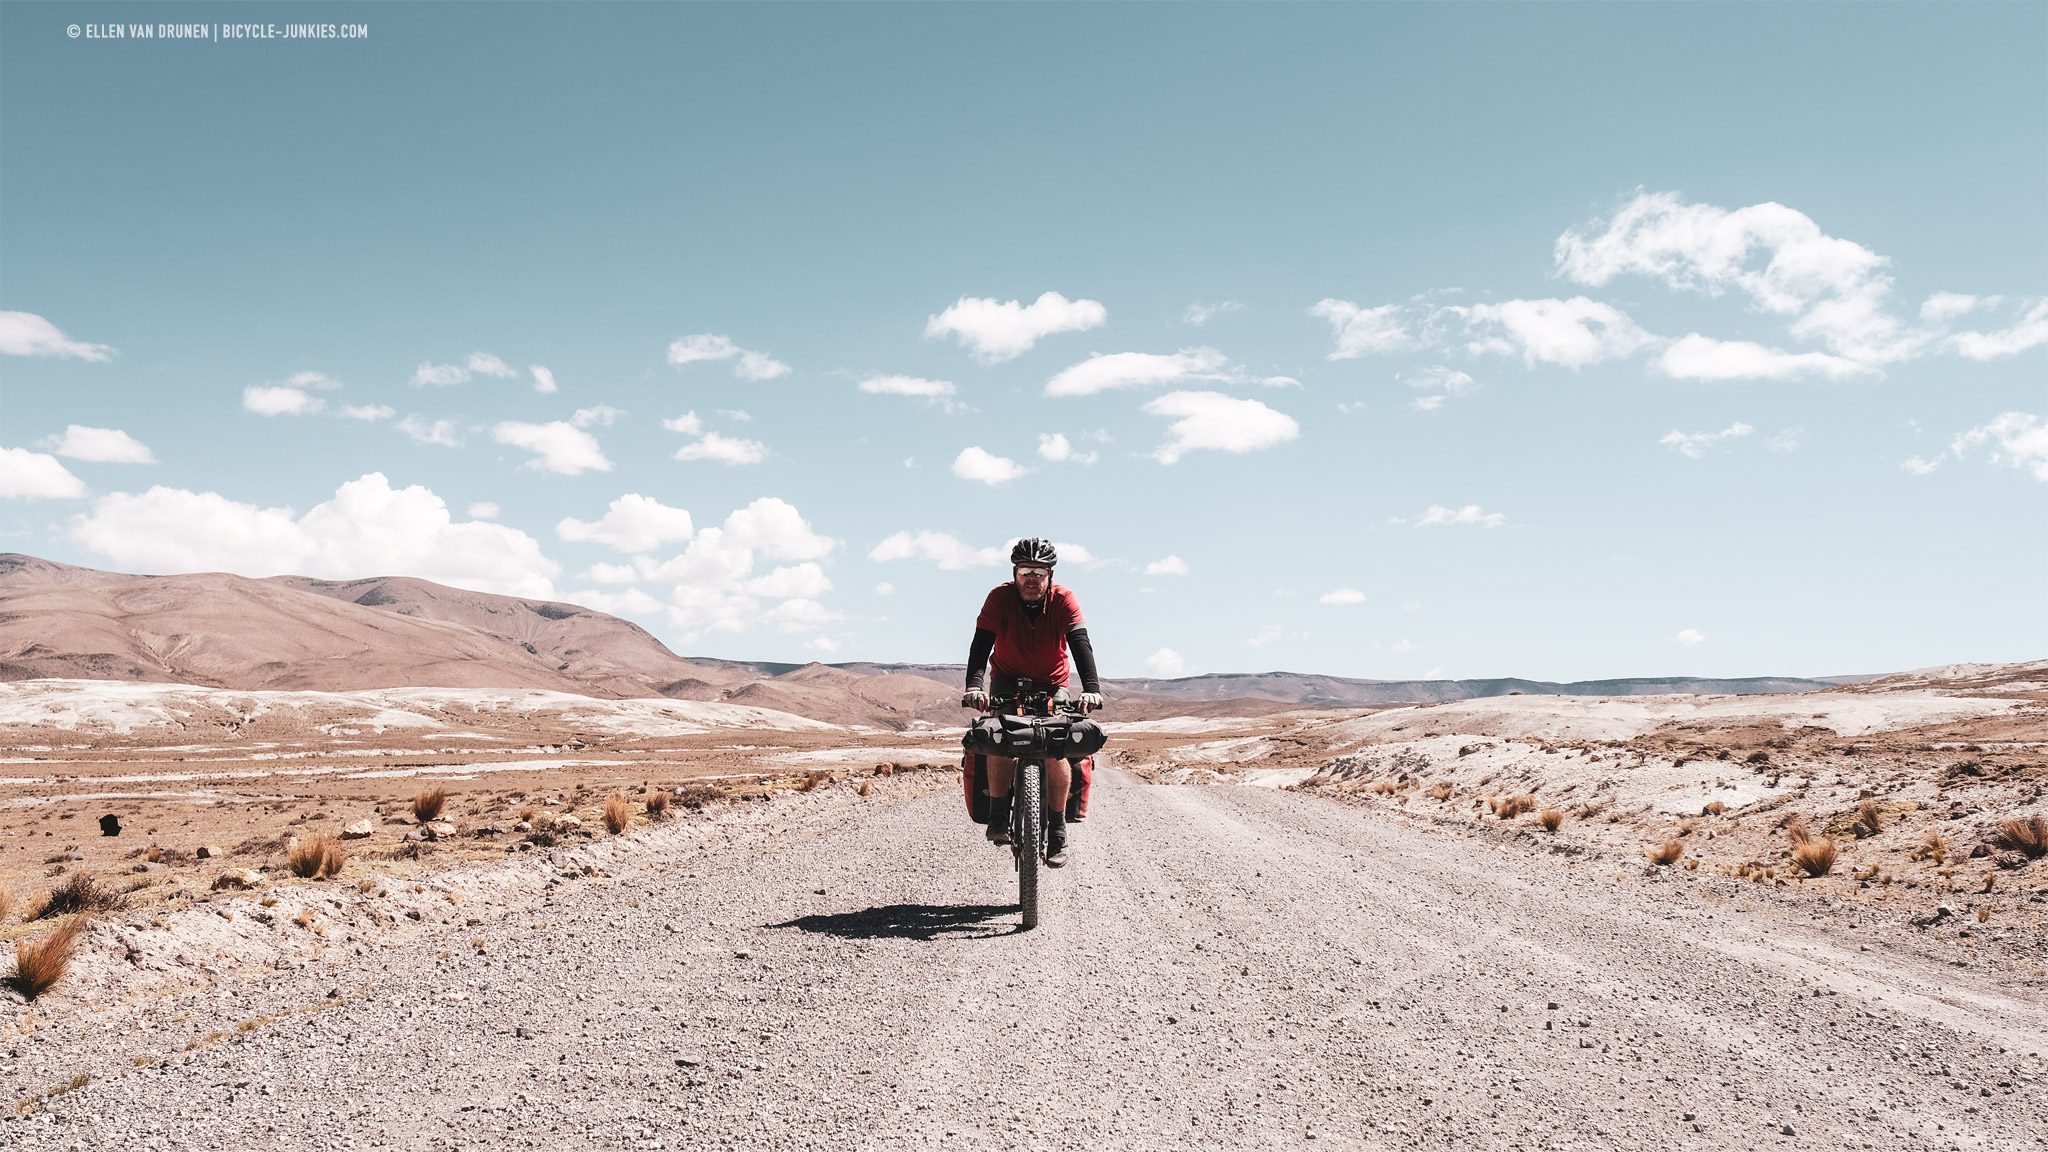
[(1029, 835)]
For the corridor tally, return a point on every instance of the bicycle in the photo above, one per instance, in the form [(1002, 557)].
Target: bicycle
[(1031, 725)]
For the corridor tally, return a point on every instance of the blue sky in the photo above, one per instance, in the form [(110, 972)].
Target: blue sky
[(1378, 340)]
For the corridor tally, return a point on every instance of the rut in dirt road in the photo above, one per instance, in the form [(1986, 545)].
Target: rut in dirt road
[(1219, 967)]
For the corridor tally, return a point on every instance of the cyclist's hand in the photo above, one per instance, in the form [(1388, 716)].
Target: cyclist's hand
[(1091, 701), (975, 699)]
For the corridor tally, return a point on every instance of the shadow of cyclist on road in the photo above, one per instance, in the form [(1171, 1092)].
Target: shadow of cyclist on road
[(911, 922)]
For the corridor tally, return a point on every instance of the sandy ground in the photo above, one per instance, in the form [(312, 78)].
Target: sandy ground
[(809, 950)]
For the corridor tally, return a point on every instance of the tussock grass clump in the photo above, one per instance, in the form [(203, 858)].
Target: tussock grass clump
[(1869, 817), (428, 802), (1932, 847), (2029, 837), (1439, 791), (656, 804), (315, 857), (1797, 830), (618, 814), (1514, 806), (39, 964), (1551, 819), (1814, 857), (1713, 808), (1667, 853), (6, 903), (79, 893)]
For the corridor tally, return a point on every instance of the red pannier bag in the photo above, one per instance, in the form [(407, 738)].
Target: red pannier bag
[(974, 784)]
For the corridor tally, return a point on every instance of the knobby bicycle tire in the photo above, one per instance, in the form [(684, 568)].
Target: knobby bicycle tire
[(1030, 835)]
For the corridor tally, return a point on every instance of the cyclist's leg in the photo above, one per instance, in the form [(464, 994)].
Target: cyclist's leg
[(1001, 771), (1059, 777)]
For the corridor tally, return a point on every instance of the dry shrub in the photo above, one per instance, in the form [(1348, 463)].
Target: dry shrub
[(1757, 757), (1440, 791), (618, 814), (318, 856), (1932, 847), (1551, 819), (1713, 808), (2029, 837), (1797, 831), (657, 805), (428, 802), (1983, 915), (812, 780), (79, 893), (1868, 816), (1814, 857), (864, 789), (6, 902), (154, 855), (1514, 806), (38, 965), (1667, 854)]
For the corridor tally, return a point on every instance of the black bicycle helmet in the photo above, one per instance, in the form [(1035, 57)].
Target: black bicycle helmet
[(1032, 550)]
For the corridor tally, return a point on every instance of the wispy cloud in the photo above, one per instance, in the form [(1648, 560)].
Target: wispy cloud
[(1140, 370), (432, 375), (1470, 514), (1697, 357), (597, 416), (707, 347), (440, 433), (723, 449), (1055, 446), (27, 334), (2016, 439), (1167, 566), (281, 400), (1365, 331), (1694, 445), (997, 330), (1342, 596), (1198, 314), (1570, 333), (1918, 466)]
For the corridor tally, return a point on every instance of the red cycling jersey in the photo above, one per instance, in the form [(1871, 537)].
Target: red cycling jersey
[(1030, 646)]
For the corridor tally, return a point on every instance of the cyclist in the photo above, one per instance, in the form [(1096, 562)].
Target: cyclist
[(1026, 628)]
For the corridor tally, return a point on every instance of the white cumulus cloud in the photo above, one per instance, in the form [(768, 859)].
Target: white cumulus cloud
[(543, 379), (1055, 446), (280, 400), (712, 582), (26, 475), (369, 528), (483, 510), (485, 364), (27, 334), (1167, 566), (949, 552), (634, 523), (2031, 331), (1689, 638), (997, 330), (557, 446), (598, 416), (1166, 664), (1437, 514), (2016, 439), (1572, 333), (689, 424), (1342, 596), (100, 445), (1694, 445), (722, 449), (1214, 421), (976, 463)]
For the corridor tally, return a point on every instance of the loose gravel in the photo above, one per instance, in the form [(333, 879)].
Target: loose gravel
[(1220, 967)]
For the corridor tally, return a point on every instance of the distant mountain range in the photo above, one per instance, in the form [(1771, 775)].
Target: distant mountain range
[(297, 633)]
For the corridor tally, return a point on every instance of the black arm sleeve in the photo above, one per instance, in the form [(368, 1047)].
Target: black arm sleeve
[(977, 656), (1084, 658)]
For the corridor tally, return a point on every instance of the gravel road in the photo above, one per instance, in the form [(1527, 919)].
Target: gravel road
[(1219, 967)]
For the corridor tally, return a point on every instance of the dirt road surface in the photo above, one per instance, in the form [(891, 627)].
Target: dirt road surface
[(1220, 967)]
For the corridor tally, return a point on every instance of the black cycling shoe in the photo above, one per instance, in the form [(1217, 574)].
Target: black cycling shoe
[(1056, 846)]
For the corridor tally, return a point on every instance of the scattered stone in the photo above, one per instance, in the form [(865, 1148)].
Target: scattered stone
[(357, 829), (687, 1061), (742, 953), (237, 879), (110, 825), (523, 827), (568, 824), (440, 829), (210, 852), (1786, 1130), (491, 829)]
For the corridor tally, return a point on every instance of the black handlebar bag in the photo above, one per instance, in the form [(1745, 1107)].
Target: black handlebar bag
[(1072, 738)]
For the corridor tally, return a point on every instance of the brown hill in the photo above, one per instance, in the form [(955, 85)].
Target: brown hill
[(227, 631)]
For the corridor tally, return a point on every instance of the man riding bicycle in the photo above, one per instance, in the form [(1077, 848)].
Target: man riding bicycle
[(1026, 628)]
